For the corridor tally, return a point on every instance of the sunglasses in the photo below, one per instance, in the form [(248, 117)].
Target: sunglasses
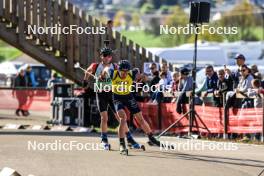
[(107, 55), (243, 70), (124, 71), (152, 68)]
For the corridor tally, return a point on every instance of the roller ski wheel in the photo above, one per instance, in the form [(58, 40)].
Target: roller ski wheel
[(123, 150), (106, 146), (138, 146)]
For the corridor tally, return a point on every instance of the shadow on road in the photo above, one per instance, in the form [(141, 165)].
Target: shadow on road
[(202, 158)]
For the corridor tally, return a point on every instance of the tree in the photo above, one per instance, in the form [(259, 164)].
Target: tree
[(242, 16), (147, 8), (119, 19), (135, 19), (177, 18), (156, 3)]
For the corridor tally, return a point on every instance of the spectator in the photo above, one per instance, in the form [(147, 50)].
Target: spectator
[(30, 76), (164, 68), (223, 86), (186, 84), (54, 79), (210, 83), (240, 60), (255, 93), (20, 81), (255, 72), (158, 95), (175, 81), (243, 86), (140, 82), (245, 82), (154, 74), (175, 84)]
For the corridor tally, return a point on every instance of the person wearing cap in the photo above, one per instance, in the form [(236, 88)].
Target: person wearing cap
[(185, 85), (104, 98), (240, 60), (122, 81)]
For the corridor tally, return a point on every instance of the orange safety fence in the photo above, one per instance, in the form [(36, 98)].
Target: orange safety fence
[(30, 99), (239, 120)]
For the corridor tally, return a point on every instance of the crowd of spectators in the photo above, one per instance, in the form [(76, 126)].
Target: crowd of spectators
[(223, 87)]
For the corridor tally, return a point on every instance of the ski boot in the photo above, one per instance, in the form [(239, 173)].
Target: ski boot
[(105, 145), (153, 141), (134, 145), (123, 150)]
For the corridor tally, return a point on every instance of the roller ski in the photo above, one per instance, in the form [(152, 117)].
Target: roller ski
[(153, 141), (123, 150), (132, 144), (105, 146)]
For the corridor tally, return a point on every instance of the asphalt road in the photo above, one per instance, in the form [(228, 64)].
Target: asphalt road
[(234, 160)]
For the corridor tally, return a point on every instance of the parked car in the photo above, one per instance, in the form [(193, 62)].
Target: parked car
[(8, 71)]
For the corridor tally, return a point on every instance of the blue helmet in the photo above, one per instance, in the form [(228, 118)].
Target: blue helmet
[(124, 65)]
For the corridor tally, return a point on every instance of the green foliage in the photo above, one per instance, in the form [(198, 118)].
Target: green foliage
[(147, 8), (242, 16), (145, 39), (177, 18), (8, 53), (135, 19)]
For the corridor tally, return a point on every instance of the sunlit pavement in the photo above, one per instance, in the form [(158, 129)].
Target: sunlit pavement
[(241, 160)]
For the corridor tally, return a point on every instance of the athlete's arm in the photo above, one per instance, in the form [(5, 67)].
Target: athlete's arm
[(87, 76)]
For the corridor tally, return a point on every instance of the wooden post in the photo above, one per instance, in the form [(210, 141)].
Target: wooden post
[(96, 43), (14, 12), (90, 41), (1, 9), (41, 18), (124, 48), (144, 55), (28, 12), (118, 46), (150, 57), (48, 7), (55, 14), (76, 21), (83, 42), (35, 14), (21, 24), (138, 58), (157, 59), (7, 10), (62, 37), (70, 44), (130, 51)]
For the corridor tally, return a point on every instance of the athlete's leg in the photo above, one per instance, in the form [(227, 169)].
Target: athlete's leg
[(142, 122), (102, 107), (119, 107), (134, 109)]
